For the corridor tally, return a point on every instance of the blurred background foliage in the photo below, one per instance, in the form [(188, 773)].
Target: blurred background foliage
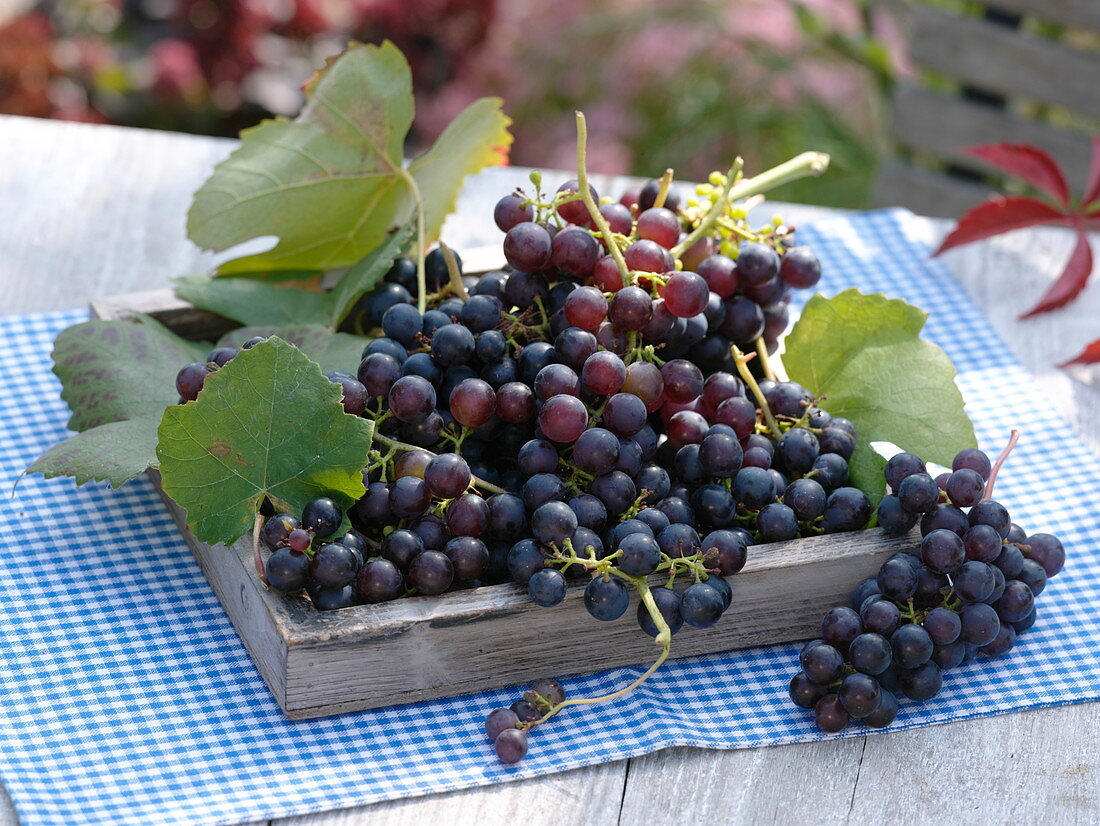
[(681, 83)]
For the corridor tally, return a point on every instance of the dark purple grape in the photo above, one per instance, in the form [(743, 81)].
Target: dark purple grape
[(944, 517), (982, 543), (912, 646), (922, 682), (1002, 643), (499, 720), (586, 308), (624, 414), (552, 522), (378, 372), (619, 218), (469, 557), (574, 252), (527, 246), (885, 711), (800, 268), (965, 487), (1034, 576), (743, 322), (846, 509), (547, 587), (322, 517), (524, 559), (830, 715), (757, 263), (859, 694), (540, 488), (840, 626), (630, 308), (980, 624), (412, 399), (447, 475), (1016, 602), (511, 744), (918, 493), (606, 599), (468, 515), (822, 663), (686, 294), (870, 653), (287, 570), (332, 566), (563, 418), (276, 530), (943, 625), (991, 513), (511, 210), (973, 581), (1048, 551), (879, 616), (668, 605), (431, 573), (409, 497), (190, 379), (331, 599), (901, 465), (897, 579), (451, 345), (942, 551), (972, 459), (221, 356), (893, 518), (379, 580), (701, 605), (866, 588)]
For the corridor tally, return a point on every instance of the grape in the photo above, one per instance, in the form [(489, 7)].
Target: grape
[(533, 358), (606, 275), (221, 356), (1026, 622), (668, 605), (797, 450), (379, 580), (846, 509), (965, 487), (999, 583), (897, 580), (630, 308), (190, 379), (1016, 602), (596, 451), (525, 710), (753, 488), (276, 530), (331, 599), (563, 419), (800, 268), (659, 225), (942, 551), (412, 463), (859, 694), (377, 302), (777, 523), (648, 256), (468, 515), (911, 645), (830, 715), (922, 682), (949, 656), (586, 308), (686, 294), (524, 560), (499, 720), (412, 399), (332, 566), (943, 625), (604, 373), (866, 588), (720, 455), (972, 459), (469, 557), (522, 288), (840, 626), (575, 346), (552, 522), (322, 517), (918, 493), (994, 514), (757, 263), (575, 212), (547, 587), (618, 218), (624, 414), (804, 692), (982, 543), (834, 440), (527, 247), (436, 273), (980, 624), (701, 605), (481, 313), (606, 599), (683, 381), (540, 488), (287, 570), (720, 273), (738, 413), (511, 210), (946, 517), (556, 380), (401, 546), (616, 490), (447, 475), (409, 497), (472, 402), (402, 322), (1048, 551), (744, 320), (901, 465), (1002, 643), (822, 663), (433, 320), (431, 572), (679, 539), (574, 252), (1010, 561), (893, 518), (451, 345), (973, 581), (515, 404), (870, 653), (511, 744), (686, 427)]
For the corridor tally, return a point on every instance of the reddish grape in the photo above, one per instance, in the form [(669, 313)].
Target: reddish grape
[(511, 210), (606, 275), (190, 379), (697, 253), (586, 308), (659, 225), (564, 418), (648, 256), (739, 413), (412, 399), (556, 380), (644, 380), (473, 402), (575, 212), (603, 373), (683, 381), (720, 273), (527, 247), (447, 475), (611, 338), (515, 402), (468, 515), (717, 388), (800, 268), (574, 252), (618, 218), (687, 427), (686, 294), (412, 463), (631, 308)]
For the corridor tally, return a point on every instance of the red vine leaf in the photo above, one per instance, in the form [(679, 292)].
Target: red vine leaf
[(1092, 188), (1000, 214), (1090, 355), (1070, 282), (1028, 163)]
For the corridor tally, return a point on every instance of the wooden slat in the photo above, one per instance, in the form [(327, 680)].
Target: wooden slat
[(925, 191), (1083, 13), (939, 124), (999, 59)]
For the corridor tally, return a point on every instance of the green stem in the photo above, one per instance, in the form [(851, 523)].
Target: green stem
[(421, 281), (453, 275), (750, 381), (800, 166), (662, 193), (386, 440), (762, 352), (586, 196)]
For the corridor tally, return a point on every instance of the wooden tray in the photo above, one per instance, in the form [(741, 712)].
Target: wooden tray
[(321, 663)]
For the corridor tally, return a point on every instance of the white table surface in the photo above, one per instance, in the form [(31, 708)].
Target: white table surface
[(88, 211)]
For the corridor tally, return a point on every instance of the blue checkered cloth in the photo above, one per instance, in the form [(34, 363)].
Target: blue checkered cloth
[(126, 697)]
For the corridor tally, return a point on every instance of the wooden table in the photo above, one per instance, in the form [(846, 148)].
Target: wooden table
[(88, 211)]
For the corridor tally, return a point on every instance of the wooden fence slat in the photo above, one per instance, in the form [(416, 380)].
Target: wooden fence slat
[(1084, 13), (925, 191), (939, 124), (998, 59)]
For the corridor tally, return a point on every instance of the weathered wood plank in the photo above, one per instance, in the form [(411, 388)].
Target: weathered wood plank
[(1083, 13), (999, 59), (925, 191), (940, 124)]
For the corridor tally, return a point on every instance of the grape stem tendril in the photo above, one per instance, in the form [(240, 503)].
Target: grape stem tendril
[(1012, 440)]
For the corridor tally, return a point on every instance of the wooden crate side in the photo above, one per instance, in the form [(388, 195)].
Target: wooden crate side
[(428, 647)]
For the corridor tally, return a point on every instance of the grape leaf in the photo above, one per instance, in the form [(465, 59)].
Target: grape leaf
[(115, 452), (116, 370), (865, 355), (367, 272), (333, 351), (255, 302), (330, 185), (268, 424)]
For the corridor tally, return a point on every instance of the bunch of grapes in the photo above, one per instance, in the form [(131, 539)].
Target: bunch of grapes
[(968, 589)]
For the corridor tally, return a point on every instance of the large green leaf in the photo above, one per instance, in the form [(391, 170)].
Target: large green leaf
[(115, 452), (333, 351), (116, 370), (864, 354), (255, 302), (329, 185), (268, 424)]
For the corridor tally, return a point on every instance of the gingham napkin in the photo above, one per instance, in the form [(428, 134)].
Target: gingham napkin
[(126, 696)]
